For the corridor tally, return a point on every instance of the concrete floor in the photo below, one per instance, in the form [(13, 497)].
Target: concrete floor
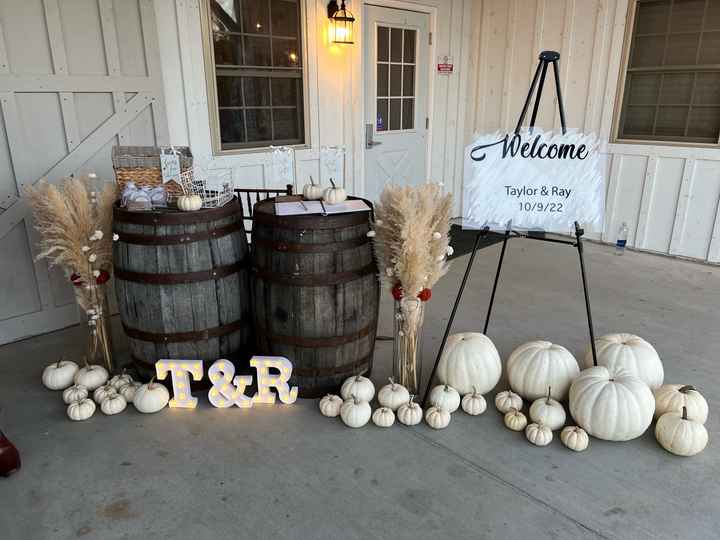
[(288, 472)]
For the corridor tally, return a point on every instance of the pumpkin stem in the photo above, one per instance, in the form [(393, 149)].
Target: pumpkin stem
[(684, 413), (687, 388), (474, 390), (58, 362), (548, 395), (392, 382), (412, 397), (150, 384), (333, 183), (312, 182), (446, 388)]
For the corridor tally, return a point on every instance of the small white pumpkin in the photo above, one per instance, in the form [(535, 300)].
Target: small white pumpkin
[(81, 410), (118, 381), (534, 366), (611, 405), (60, 375), (437, 417), (575, 438), (473, 404), (469, 360), (313, 191), (355, 412), (679, 435), (91, 376), (393, 395), (358, 386), (383, 417), (128, 391), (151, 397), (334, 194), (506, 400), (330, 405), (103, 392), (673, 397), (548, 411), (410, 414), (445, 397), (189, 203), (74, 393), (630, 352), (515, 420), (538, 434), (113, 404)]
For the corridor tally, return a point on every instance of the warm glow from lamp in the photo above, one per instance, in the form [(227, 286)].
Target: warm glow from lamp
[(341, 23)]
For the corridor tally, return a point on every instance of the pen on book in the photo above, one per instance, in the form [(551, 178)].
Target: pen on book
[(324, 211), (305, 207)]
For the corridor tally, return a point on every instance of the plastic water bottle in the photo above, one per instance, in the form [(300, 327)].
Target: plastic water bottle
[(621, 239)]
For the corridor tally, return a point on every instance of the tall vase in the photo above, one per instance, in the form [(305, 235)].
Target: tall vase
[(99, 332), (407, 350)]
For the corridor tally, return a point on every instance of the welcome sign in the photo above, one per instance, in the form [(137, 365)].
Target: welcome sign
[(533, 180)]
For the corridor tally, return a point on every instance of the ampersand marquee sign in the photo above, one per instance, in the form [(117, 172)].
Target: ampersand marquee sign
[(228, 389)]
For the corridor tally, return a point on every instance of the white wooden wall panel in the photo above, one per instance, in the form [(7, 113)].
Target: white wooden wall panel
[(663, 204), (76, 76)]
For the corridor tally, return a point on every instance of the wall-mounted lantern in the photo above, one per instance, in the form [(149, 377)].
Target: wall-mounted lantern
[(341, 23)]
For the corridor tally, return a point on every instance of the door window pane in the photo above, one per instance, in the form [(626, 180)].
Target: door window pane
[(383, 83), (408, 80), (395, 80), (395, 114), (396, 45), (408, 114), (382, 115), (409, 46), (383, 43)]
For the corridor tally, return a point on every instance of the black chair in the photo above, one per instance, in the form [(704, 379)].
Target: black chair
[(248, 197)]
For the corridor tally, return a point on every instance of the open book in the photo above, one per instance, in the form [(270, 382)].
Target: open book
[(299, 208)]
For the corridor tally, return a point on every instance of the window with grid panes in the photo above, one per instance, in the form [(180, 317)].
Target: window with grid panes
[(258, 72), (395, 78), (672, 82)]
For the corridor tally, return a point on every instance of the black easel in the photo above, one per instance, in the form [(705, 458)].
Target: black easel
[(545, 58)]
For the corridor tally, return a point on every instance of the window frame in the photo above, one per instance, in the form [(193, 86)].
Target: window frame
[(630, 21), (211, 86)]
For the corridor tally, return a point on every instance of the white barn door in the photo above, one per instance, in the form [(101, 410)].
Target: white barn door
[(76, 78)]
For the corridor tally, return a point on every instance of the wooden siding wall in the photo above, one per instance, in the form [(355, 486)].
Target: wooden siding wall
[(667, 194), (76, 78)]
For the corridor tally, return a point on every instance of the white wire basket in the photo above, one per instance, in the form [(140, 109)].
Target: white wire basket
[(214, 186)]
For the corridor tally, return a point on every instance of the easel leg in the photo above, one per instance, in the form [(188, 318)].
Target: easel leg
[(495, 283), (480, 235), (578, 235)]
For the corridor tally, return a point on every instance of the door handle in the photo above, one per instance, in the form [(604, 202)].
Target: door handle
[(369, 142)]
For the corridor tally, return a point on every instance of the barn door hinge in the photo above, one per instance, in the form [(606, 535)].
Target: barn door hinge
[(429, 38)]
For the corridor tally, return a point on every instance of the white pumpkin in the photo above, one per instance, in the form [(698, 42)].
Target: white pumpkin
[(534, 366), (358, 386), (548, 411), (437, 417), (445, 397), (330, 405), (383, 417), (128, 391), (103, 392), (113, 404), (611, 404), (539, 434), (81, 410), (393, 395), (334, 194), (470, 360), (59, 375), (410, 414), (673, 397), (91, 376), (189, 203), (118, 381), (355, 412), (74, 393), (506, 400), (474, 403), (313, 191), (515, 420), (631, 353), (679, 435), (151, 397), (575, 438)]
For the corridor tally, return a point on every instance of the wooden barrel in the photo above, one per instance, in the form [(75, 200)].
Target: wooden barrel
[(315, 294), (182, 284)]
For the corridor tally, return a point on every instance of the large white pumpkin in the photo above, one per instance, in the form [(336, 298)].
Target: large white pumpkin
[(611, 404), (470, 360), (673, 397), (630, 352), (537, 365)]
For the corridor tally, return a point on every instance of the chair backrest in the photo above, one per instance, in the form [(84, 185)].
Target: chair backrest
[(248, 197)]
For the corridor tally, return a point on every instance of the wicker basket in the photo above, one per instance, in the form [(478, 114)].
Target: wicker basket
[(141, 165)]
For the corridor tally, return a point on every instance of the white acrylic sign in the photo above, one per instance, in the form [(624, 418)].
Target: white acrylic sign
[(282, 166), (169, 163), (538, 180), (332, 165)]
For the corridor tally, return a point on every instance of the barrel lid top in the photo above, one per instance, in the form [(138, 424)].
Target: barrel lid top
[(171, 216)]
